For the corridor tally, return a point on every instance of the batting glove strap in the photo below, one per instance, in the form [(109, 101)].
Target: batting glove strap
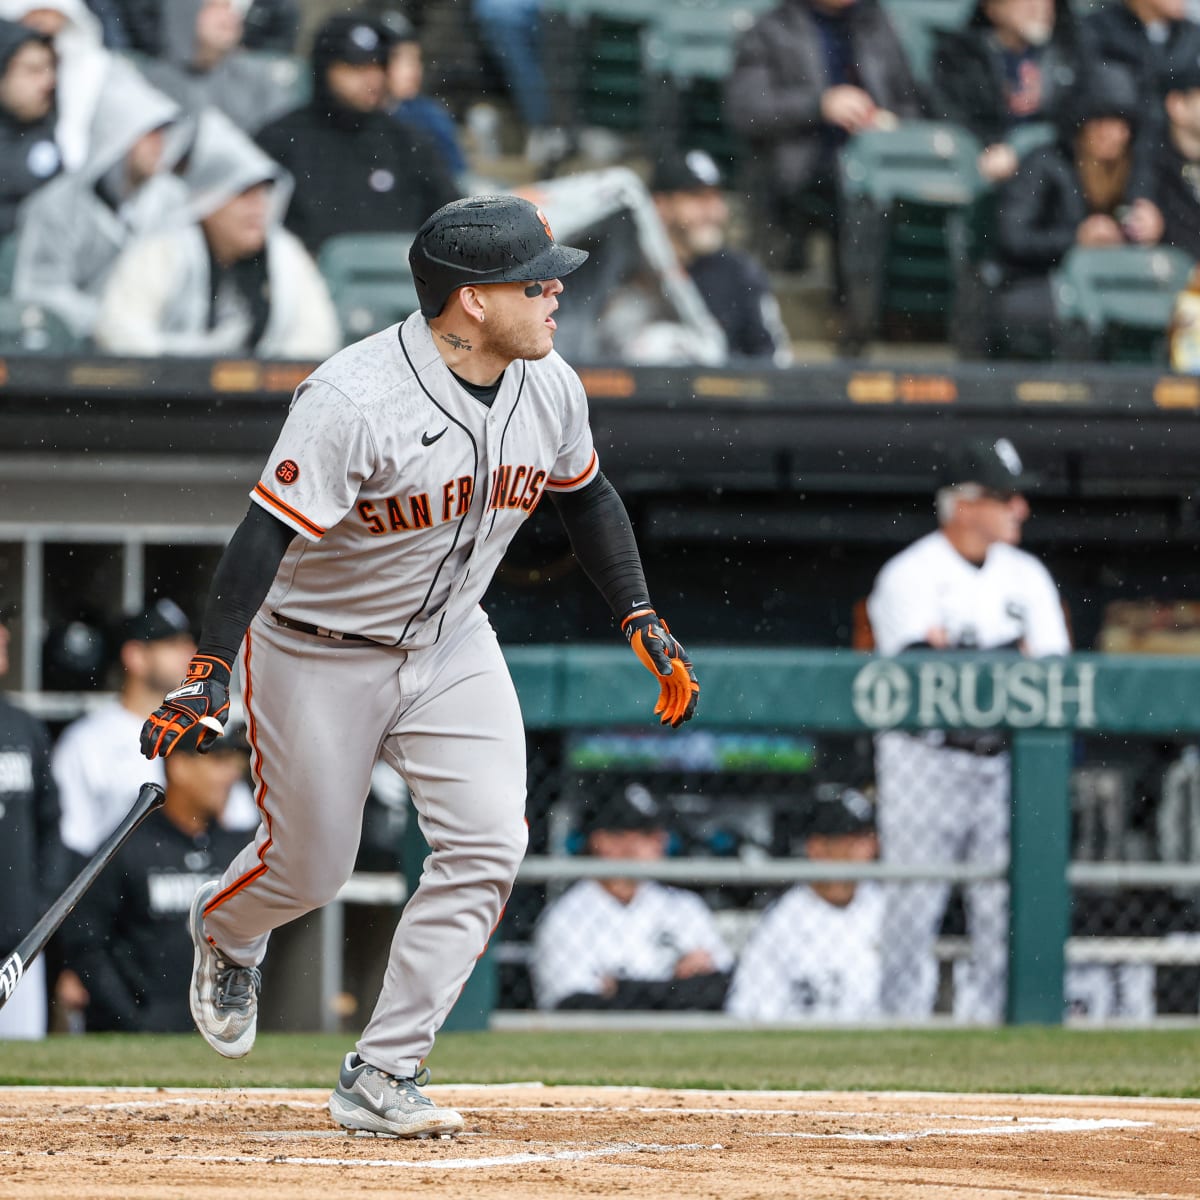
[(202, 699), (667, 661)]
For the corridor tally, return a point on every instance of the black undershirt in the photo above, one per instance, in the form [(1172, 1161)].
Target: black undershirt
[(485, 393), (594, 517)]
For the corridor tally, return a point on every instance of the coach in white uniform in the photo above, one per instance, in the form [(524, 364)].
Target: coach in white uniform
[(627, 943), (944, 796), (815, 953), (352, 591)]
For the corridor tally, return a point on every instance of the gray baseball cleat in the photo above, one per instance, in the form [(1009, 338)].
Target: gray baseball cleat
[(224, 995), (370, 1099)]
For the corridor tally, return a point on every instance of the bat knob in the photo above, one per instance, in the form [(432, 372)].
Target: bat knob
[(213, 724)]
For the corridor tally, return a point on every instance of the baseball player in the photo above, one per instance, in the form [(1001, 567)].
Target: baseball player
[(943, 796), (351, 589), (627, 943), (815, 954)]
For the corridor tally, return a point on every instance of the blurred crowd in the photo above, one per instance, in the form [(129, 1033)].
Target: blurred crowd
[(175, 178)]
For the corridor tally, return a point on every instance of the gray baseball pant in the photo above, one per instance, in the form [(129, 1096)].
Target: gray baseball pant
[(320, 712)]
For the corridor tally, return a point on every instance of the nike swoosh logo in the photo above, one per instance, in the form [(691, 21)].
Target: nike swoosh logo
[(426, 440)]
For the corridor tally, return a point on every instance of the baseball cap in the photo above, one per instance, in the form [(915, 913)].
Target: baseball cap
[(163, 619), (632, 807), (485, 239), (847, 811), (356, 39), (685, 172), (994, 465)]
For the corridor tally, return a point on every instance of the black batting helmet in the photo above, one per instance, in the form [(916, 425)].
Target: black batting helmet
[(485, 239)]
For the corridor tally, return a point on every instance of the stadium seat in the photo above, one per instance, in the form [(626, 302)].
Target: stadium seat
[(899, 190), (1115, 302), (369, 280), (8, 262), (916, 22), (32, 329), (290, 74)]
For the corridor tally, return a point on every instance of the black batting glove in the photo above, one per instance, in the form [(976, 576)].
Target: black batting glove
[(200, 703), (667, 661)]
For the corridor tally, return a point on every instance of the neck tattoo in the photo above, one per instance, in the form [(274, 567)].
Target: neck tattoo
[(454, 341)]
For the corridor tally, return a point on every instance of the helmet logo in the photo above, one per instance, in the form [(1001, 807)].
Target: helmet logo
[(541, 216)]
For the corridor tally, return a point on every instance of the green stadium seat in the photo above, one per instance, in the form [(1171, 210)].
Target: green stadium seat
[(32, 329), (1115, 302), (369, 280), (901, 193), (290, 74), (8, 263), (916, 22)]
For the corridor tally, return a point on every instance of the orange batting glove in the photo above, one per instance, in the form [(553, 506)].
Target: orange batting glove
[(202, 699), (667, 661)]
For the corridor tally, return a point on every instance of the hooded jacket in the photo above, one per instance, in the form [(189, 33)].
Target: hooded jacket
[(242, 86), (71, 231), (29, 155), (773, 97), (355, 172), (969, 84), (160, 297)]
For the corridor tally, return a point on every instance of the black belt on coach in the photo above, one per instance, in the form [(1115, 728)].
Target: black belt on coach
[(317, 630)]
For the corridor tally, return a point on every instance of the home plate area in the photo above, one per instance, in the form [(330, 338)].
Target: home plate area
[(525, 1141)]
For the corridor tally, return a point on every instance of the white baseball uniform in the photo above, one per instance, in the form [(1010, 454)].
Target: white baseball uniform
[(405, 490), (99, 770), (807, 959), (939, 804), (587, 937)]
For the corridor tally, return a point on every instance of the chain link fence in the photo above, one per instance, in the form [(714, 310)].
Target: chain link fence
[(764, 887)]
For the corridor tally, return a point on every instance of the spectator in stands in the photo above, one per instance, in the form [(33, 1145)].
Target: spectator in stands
[(142, 25), (512, 34), (97, 764), (407, 103), (71, 231), (807, 76), (1011, 66), (32, 866), (232, 281), (815, 952), (687, 194), (84, 67), (1147, 40), (627, 943), (29, 155), (356, 169), (129, 940), (205, 63), (1082, 190), (1177, 162)]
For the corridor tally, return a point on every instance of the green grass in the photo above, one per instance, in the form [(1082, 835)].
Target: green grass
[(1027, 1059)]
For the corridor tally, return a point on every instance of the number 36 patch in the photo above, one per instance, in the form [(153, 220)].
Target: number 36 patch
[(288, 471)]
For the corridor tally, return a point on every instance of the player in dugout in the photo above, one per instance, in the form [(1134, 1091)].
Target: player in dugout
[(352, 591)]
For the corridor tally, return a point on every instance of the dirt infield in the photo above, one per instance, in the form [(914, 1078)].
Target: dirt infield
[(525, 1142)]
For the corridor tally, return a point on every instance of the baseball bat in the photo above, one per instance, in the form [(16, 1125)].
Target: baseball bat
[(150, 797)]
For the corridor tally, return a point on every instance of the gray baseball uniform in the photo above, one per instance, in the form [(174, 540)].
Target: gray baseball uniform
[(406, 490)]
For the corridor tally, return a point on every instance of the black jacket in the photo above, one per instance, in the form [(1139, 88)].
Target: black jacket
[(969, 85), (29, 155), (737, 292), (773, 97), (1114, 36), (355, 172), (1177, 190), (129, 940), (33, 864)]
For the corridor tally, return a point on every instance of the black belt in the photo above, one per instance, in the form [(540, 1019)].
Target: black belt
[(317, 630)]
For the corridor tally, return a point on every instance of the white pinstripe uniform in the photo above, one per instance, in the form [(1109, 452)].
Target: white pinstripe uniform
[(405, 490), (937, 804)]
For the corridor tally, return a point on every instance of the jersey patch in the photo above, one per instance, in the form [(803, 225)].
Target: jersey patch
[(288, 471)]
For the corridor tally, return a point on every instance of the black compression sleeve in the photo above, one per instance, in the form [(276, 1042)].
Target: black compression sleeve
[(242, 580), (602, 538)]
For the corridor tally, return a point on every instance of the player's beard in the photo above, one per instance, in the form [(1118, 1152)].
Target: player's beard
[(511, 339)]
